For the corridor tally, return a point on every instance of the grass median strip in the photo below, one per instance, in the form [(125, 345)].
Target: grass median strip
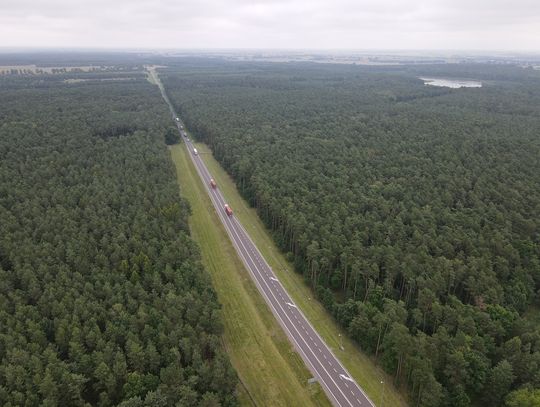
[(270, 371), (360, 366)]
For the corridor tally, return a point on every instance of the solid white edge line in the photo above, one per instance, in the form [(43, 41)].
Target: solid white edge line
[(320, 338), (292, 323)]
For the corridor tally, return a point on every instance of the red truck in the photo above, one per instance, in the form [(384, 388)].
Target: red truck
[(213, 183), (228, 210)]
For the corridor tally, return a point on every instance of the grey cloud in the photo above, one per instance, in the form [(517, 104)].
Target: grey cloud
[(466, 24)]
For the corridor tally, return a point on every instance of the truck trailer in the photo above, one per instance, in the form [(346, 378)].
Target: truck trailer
[(195, 151), (228, 210), (213, 183)]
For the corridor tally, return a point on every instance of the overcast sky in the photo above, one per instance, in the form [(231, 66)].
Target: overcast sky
[(297, 24)]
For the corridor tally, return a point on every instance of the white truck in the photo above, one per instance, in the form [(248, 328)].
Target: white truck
[(195, 151)]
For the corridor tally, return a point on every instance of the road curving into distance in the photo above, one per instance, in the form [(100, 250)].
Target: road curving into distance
[(341, 389)]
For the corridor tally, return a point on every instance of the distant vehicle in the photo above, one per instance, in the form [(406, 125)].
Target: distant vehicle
[(213, 183), (181, 127), (177, 119), (228, 210), (195, 151)]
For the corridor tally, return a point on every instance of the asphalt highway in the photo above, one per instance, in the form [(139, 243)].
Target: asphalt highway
[(337, 383)]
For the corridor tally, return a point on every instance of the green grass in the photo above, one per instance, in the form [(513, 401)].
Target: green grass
[(359, 365), (270, 371)]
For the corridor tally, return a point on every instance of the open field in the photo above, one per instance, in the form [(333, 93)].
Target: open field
[(271, 373), (99, 80), (360, 366), (49, 69)]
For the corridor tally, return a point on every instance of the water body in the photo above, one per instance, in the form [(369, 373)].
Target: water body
[(451, 83)]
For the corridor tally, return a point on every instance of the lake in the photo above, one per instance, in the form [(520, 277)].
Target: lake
[(451, 83)]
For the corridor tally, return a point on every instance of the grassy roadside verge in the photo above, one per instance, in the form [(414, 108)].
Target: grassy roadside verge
[(271, 373), (360, 366)]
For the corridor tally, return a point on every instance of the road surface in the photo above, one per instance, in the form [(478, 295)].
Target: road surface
[(337, 383)]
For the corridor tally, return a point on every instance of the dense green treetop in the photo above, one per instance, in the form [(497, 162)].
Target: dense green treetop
[(413, 211), (103, 299)]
